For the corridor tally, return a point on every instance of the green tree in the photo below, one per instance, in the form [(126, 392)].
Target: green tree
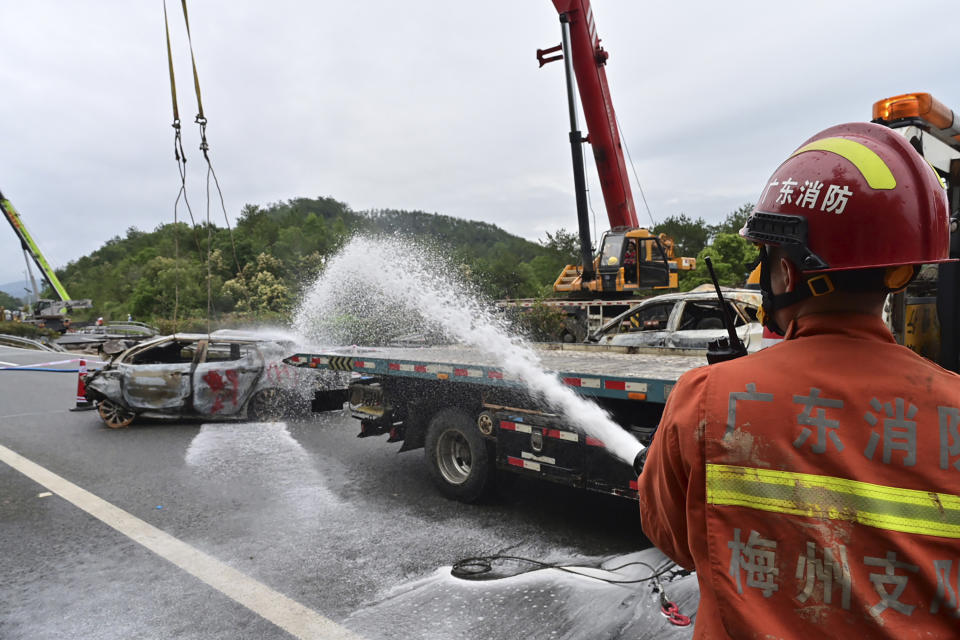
[(542, 323), (732, 258), (689, 236), (258, 288), (733, 222), (277, 250), (9, 302), (564, 244)]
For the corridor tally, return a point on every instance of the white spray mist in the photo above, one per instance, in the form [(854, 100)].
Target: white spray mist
[(392, 284)]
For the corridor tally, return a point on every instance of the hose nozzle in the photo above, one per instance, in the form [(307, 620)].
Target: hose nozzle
[(639, 461)]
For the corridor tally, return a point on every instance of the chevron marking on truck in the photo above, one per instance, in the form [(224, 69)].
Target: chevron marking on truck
[(316, 362), (337, 363), (364, 364)]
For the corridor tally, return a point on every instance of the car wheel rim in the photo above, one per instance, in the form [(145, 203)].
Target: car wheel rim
[(453, 457), (266, 405), (115, 416)]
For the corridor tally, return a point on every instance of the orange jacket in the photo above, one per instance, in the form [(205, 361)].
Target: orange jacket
[(814, 487)]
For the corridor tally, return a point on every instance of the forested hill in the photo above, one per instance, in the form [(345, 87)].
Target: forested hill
[(280, 249)]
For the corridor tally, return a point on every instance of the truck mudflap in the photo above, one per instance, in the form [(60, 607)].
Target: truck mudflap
[(542, 446)]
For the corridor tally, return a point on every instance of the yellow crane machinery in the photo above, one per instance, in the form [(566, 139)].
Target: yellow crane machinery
[(630, 258), (44, 312)]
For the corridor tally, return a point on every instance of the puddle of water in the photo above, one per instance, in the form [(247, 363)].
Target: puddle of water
[(540, 604), (261, 457)]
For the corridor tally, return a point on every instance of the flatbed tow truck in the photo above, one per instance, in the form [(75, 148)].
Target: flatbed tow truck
[(473, 418)]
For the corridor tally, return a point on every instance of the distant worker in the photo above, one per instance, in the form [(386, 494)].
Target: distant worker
[(814, 484), (630, 262), (129, 317), (100, 321)]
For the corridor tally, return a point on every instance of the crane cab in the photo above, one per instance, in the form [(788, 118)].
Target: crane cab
[(629, 260)]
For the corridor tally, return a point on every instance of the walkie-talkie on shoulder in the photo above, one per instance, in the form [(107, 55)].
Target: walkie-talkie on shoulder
[(731, 347)]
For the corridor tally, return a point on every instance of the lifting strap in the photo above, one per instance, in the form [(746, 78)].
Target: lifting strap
[(181, 163), (173, 84), (200, 119)]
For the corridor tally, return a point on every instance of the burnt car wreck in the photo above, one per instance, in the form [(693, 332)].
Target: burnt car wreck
[(220, 376)]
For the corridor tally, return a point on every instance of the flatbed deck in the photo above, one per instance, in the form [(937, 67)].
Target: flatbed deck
[(635, 374)]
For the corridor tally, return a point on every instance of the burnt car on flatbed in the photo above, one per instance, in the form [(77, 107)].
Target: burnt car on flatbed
[(217, 376), (687, 320)]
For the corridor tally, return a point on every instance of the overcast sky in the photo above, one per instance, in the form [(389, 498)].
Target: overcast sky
[(431, 105)]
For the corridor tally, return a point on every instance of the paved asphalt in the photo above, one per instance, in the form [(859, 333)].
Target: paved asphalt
[(345, 527)]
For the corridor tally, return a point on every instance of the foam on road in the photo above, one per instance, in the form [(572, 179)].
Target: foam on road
[(289, 615)]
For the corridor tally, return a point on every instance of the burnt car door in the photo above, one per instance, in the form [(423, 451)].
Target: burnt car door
[(701, 322), (158, 378), (225, 377), (645, 325)]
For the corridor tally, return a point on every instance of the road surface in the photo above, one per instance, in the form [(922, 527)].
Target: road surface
[(280, 530)]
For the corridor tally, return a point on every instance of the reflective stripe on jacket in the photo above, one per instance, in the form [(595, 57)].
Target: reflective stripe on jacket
[(815, 487)]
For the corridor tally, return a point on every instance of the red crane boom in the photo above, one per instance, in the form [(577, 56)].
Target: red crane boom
[(589, 59), (630, 258)]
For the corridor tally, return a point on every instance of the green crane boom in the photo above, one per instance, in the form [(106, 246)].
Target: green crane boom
[(31, 247)]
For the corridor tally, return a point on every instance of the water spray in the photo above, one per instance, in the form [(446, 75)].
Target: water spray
[(386, 287)]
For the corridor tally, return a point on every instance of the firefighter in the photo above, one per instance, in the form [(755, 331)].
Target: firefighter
[(815, 485)]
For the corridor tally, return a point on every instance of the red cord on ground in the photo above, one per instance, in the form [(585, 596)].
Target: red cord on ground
[(672, 612)]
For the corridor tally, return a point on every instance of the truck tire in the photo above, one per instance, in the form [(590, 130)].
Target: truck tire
[(457, 456)]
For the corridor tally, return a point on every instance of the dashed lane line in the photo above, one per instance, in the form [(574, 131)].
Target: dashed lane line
[(289, 615)]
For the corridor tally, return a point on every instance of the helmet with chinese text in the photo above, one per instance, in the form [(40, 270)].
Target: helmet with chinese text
[(855, 196), (855, 208)]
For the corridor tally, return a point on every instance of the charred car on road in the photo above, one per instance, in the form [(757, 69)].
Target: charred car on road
[(688, 320), (217, 376)]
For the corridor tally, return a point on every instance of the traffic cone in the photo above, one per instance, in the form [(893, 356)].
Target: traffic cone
[(82, 403)]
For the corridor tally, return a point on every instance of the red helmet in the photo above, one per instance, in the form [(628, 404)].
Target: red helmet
[(855, 196)]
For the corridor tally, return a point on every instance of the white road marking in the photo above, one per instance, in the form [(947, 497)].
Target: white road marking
[(8, 364), (289, 615), (45, 494)]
